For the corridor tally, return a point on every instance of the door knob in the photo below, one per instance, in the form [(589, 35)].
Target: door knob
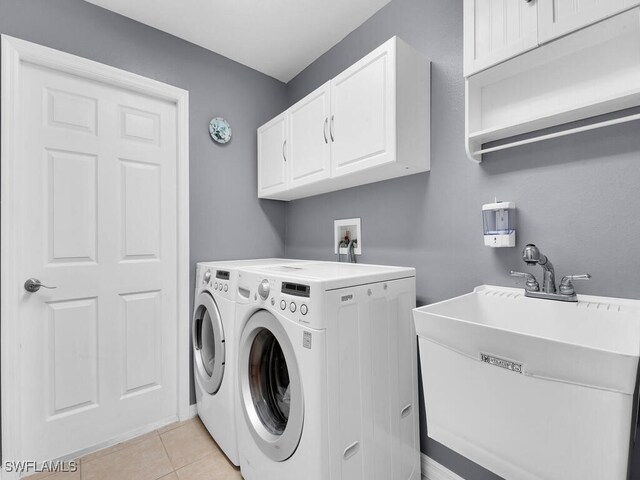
[(33, 285)]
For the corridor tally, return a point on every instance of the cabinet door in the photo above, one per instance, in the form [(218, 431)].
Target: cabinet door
[(308, 140), (559, 17), (496, 30), (362, 123), (272, 156)]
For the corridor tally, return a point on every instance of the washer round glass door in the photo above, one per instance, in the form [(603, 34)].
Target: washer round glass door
[(208, 343), (270, 387)]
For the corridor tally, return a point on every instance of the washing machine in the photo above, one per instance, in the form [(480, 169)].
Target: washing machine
[(327, 373), (214, 338)]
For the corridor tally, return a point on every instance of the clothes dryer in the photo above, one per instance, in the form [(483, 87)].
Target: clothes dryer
[(214, 337)]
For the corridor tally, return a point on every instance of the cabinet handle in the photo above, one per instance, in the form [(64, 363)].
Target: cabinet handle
[(331, 130), (284, 153), (324, 129)]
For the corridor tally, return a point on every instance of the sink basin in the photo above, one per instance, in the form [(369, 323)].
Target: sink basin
[(530, 388)]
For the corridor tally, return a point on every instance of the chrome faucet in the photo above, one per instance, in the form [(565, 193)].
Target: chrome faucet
[(533, 256)]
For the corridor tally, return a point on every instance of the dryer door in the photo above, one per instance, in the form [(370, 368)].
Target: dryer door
[(270, 386), (208, 343)]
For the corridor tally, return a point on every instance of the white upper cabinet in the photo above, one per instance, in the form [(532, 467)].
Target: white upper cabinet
[(272, 145), (496, 30), (560, 17), (308, 140), (370, 123), (361, 123)]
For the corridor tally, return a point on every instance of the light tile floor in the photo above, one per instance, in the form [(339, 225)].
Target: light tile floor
[(180, 451)]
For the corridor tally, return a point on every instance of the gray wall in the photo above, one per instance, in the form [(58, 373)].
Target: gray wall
[(577, 197), (227, 220)]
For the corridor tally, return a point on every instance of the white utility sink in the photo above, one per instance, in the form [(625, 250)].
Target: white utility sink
[(532, 388)]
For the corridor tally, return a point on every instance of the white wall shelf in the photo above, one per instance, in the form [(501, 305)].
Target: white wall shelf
[(591, 72)]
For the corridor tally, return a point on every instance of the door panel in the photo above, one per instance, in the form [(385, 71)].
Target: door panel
[(71, 111), (560, 17), (362, 113), (140, 204), (97, 201), (139, 126), (72, 345), (72, 206), (496, 30), (272, 156), (309, 137), (142, 336)]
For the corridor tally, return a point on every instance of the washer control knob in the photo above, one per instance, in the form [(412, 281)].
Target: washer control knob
[(215, 285), (283, 304), (226, 288), (303, 309), (207, 277), (263, 289), (292, 307)]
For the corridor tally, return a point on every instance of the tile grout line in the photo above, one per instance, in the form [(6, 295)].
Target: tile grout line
[(167, 453), (175, 470)]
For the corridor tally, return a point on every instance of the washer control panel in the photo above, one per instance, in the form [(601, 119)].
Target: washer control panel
[(217, 280), (292, 300)]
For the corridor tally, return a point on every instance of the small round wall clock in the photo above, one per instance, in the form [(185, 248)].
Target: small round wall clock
[(220, 130)]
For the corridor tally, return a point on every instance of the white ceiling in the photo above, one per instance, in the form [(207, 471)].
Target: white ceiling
[(276, 37)]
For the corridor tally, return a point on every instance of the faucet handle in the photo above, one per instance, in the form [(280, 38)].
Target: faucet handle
[(532, 283), (566, 285)]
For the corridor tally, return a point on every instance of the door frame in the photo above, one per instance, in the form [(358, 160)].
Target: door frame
[(15, 53)]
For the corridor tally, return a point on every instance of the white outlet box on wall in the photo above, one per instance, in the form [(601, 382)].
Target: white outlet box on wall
[(350, 227)]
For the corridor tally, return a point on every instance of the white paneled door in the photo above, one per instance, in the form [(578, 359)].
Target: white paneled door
[(96, 214)]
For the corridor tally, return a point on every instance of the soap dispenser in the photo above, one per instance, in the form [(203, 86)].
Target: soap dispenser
[(498, 219)]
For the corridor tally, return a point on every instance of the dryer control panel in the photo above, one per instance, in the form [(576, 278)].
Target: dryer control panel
[(218, 282)]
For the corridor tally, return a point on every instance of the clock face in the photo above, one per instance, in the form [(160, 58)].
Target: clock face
[(220, 130)]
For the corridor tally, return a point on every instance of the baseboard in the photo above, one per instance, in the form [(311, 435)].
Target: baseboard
[(432, 470), (193, 411)]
